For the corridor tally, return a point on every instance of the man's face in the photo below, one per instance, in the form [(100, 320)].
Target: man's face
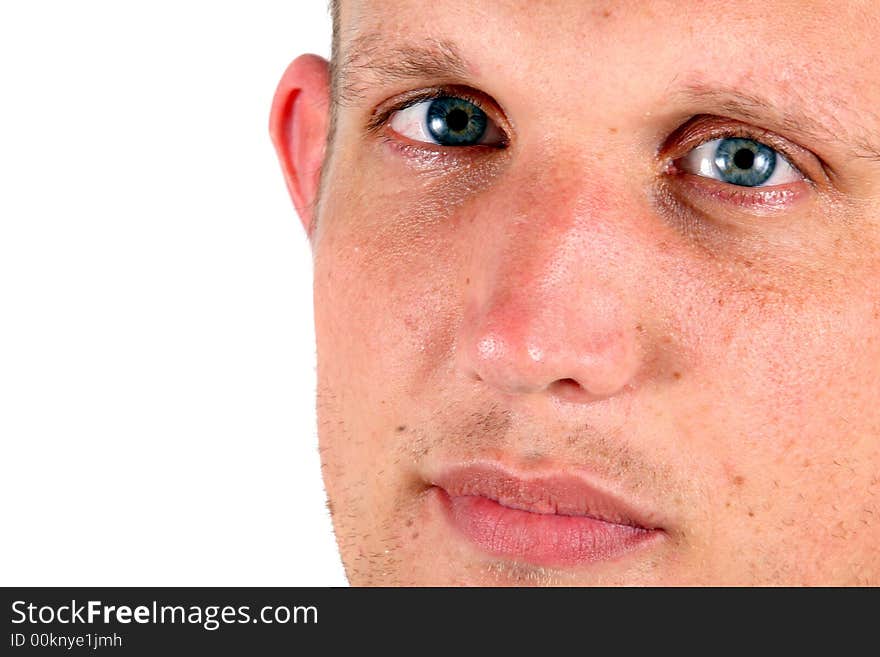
[(597, 293)]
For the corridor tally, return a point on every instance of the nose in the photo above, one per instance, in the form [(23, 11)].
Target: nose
[(519, 349), (551, 304)]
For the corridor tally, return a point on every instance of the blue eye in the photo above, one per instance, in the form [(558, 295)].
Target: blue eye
[(446, 121), (455, 121), (744, 162), (740, 161)]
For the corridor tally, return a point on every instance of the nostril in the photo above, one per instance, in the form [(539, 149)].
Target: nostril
[(567, 387)]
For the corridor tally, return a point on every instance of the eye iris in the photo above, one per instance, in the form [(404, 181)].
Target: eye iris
[(744, 162), (455, 121)]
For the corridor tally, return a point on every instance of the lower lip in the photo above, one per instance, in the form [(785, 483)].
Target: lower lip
[(541, 539)]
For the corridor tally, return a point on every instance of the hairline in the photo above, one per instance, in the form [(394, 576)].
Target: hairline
[(333, 8)]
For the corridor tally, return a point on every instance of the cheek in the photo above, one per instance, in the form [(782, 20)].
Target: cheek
[(787, 406), (786, 366), (389, 274), (385, 288)]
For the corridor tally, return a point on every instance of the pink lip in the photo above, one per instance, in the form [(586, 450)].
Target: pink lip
[(546, 519)]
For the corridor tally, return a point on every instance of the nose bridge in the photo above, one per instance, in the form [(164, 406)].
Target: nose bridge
[(547, 308)]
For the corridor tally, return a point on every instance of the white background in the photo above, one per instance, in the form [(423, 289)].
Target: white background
[(156, 339)]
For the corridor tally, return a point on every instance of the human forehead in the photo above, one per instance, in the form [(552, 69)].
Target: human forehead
[(538, 31), (817, 57), (853, 13)]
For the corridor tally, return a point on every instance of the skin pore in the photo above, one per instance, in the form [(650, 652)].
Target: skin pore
[(573, 294)]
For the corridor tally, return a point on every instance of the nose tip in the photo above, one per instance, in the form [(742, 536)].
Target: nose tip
[(573, 363), (555, 286)]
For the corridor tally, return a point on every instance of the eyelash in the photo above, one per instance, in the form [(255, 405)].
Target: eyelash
[(728, 131), (731, 128), (382, 115)]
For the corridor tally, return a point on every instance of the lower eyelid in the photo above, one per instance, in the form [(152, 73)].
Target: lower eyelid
[(427, 157), (756, 200)]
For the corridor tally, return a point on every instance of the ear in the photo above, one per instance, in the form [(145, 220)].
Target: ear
[(298, 126)]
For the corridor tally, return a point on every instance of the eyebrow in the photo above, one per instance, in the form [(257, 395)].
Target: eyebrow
[(793, 114), (369, 62)]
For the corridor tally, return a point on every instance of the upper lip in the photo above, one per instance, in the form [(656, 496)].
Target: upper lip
[(548, 491)]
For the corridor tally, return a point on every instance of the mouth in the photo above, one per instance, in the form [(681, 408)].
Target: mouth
[(546, 519)]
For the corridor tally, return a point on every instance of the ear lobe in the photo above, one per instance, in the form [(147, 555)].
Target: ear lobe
[(298, 127)]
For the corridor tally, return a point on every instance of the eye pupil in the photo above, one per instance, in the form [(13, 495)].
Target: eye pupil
[(744, 158), (457, 120)]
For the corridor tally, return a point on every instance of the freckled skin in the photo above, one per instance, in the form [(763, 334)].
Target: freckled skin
[(554, 302)]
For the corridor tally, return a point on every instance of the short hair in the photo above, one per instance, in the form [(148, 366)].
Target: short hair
[(334, 43), (333, 8)]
